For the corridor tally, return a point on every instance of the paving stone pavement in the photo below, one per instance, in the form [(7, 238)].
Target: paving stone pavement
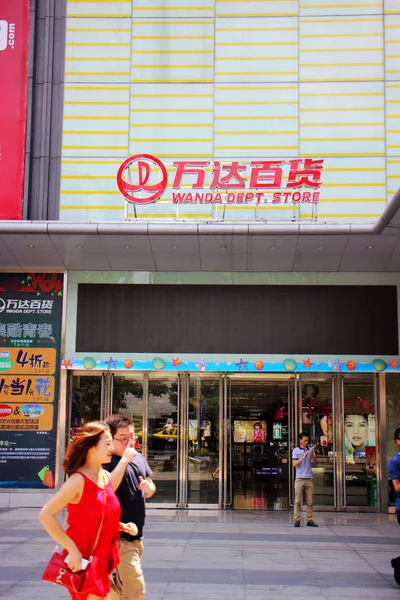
[(212, 555)]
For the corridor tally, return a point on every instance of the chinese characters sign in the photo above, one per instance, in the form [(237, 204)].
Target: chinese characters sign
[(30, 333), (143, 179)]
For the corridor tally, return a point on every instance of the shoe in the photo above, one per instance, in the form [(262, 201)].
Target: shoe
[(395, 562), (297, 523), (311, 524)]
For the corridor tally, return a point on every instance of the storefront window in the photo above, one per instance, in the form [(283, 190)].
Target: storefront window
[(162, 441), (359, 429), (392, 422), (85, 401), (127, 398), (316, 420), (203, 441)]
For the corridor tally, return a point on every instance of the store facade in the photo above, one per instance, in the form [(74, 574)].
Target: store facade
[(218, 427), (218, 187)]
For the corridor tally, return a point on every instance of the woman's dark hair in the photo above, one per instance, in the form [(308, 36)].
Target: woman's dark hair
[(87, 437), (114, 422), (257, 424)]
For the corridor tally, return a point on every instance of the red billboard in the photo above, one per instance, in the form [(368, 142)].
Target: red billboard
[(14, 41)]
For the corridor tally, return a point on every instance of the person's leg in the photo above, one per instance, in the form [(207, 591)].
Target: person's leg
[(298, 493), (398, 515), (130, 570), (309, 487)]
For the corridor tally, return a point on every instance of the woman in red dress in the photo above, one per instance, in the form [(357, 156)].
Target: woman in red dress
[(93, 511)]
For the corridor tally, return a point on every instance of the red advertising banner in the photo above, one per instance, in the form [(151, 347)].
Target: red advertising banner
[(14, 41)]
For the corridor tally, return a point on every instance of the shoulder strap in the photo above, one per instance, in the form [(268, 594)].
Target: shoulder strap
[(101, 520)]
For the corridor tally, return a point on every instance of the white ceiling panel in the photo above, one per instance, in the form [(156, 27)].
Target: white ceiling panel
[(132, 261), (316, 262), (165, 243), (361, 262), (67, 243), (321, 244), (271, 262), (8, 261), (87, 262), (116, 243), (284, 244), (394, 263), (177, 262), (19, 243), (214, 244), (223, 262), (33, 260), (358, 244)]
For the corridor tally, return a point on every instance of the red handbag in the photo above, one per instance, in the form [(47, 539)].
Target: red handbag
[(57, 570)]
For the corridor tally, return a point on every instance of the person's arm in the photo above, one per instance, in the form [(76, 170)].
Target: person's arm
[(147, 486), (297, 462), (70, 491), (313, 459), (117, 474), (396, 485)]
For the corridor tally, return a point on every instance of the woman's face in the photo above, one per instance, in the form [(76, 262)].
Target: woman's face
[(104, 448), (324, 425), (356, 428)]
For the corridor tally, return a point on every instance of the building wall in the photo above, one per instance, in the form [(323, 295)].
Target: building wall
[(220, 362), (222, 80)]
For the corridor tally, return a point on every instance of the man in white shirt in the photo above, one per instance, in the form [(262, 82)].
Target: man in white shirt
[(302, 459)]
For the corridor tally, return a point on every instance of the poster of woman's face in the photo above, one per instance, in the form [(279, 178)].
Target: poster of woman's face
[(357, 429)]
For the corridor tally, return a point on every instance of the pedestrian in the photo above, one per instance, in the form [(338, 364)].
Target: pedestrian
[(91, 537), (132, 481), (394, 474), (302, 459)]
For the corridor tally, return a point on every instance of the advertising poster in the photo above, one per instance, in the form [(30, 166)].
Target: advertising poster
[(30, 336), (252, 432), (14, 42)]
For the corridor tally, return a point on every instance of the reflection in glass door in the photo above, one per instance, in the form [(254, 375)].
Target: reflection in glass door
[(86, 401), (258, 439), (127, 398), (317, 419), (359, 441), (163, 432), (203, 441)]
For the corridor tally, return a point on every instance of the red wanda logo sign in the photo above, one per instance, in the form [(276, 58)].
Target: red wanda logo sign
[(143, 178)]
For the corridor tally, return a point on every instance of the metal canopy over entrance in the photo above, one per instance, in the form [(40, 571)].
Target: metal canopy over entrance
[(226, 441)]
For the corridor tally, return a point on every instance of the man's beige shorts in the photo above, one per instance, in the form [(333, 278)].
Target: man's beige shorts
[(130, 569)]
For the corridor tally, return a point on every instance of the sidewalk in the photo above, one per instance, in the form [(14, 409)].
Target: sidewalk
[(209, 555)]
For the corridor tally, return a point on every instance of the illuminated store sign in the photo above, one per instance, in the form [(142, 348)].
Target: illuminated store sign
[(143, 179)]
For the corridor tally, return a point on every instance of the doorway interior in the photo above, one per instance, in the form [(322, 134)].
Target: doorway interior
[(225, 441)]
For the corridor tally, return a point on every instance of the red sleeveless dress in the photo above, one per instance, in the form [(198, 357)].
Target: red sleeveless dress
[(83, 523)]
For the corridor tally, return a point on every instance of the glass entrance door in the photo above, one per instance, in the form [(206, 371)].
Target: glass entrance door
[(317, 419), (360, 433), (258, 439)]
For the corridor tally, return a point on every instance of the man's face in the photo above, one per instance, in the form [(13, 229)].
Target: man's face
[(124, 437), (304, 442)]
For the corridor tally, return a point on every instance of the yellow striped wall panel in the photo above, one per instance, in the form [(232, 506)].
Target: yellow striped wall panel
[(232, 80)]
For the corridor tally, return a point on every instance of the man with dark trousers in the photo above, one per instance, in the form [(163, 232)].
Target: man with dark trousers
[(131, 479)]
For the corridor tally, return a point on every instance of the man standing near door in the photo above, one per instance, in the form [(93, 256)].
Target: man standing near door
[(394, 474), (302, 459), (132, 483)]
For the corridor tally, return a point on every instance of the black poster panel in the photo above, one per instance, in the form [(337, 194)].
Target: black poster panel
[(30, 337), (237, 319)]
